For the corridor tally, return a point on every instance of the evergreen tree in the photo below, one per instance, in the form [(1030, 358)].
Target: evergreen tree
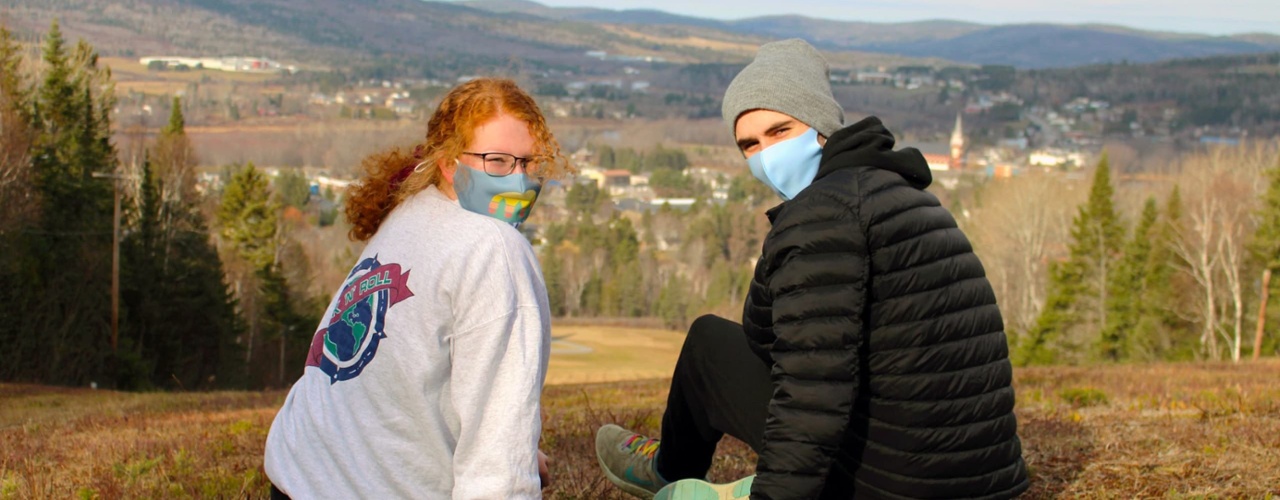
[(584, 197), (181, 319), (1076, 306), (624, 274), (1127, 297), (591, 299), (1166, 332), (247, 217), (141, 282), (175, 161), (673, 303), (553, 275), (605, 157), (71, 257), (1265, 247), (293, 188), (283, 324), (19, 212)]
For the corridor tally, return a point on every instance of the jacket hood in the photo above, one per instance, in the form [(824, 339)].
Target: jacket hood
[(868, 143)]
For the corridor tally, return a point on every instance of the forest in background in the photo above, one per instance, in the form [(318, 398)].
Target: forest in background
[(223, 286)]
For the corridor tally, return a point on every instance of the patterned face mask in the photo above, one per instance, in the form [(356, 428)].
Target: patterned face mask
[(788, 166), (509, 198)]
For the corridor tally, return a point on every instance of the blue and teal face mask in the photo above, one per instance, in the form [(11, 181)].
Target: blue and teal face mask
[(508, 198), (788, 166)]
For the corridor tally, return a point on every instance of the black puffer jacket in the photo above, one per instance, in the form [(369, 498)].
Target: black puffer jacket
[(890, 365)]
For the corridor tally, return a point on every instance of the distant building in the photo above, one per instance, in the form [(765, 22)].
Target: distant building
[(957, 145), (1001, 170), (938, 162), (949, 156), (877, 77), (616, 181), (592, 174), (235, 64), (1055, 158), (401, 105), (338, 185), (677, 203)]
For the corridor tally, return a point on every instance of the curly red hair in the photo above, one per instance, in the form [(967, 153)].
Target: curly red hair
[(449, 131)]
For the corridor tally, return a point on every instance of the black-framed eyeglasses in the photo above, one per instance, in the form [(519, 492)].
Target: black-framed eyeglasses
[(502, 164)]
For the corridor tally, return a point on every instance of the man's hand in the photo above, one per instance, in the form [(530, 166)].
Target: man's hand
[(544, 473)]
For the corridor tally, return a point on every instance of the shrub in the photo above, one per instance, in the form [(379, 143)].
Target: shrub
[(1083, 396)]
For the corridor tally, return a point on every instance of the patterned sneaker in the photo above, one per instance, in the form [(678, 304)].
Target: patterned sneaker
[(696, 489), (627, 460)]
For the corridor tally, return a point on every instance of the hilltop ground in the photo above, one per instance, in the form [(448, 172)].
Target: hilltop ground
[(1166, 430)]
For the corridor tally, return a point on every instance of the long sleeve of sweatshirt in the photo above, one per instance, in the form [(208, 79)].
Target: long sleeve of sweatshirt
[(499, 359)]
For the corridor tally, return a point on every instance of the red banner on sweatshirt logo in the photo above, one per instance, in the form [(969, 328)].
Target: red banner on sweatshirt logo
[(386, 277)]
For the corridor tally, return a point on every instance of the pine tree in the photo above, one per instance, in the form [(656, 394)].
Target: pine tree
[(591, 298), (673, 303), (622, 275), (1168, 333), (175, 159), (1076, 306), (1098, 235), (1127, 297), (181, 320), (72, 141), (247, 217), (1265, 247), (553, 275), (19, 214)]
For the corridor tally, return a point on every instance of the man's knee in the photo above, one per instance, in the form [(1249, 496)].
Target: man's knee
[(709, 332)]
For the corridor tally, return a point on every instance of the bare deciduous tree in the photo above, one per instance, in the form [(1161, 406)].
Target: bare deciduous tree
[(1223, 187), (1020, 227)]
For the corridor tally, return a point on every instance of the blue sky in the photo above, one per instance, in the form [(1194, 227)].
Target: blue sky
[(1199, 16)]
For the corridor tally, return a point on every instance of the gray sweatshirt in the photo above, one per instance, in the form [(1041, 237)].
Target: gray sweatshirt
[(425, 375)]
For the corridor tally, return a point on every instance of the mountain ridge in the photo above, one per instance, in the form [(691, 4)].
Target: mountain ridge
[(1025, 45)]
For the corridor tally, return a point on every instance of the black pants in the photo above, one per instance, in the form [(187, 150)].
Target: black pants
[(719, 387)]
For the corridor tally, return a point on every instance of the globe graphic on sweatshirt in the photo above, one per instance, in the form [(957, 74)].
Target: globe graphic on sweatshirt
[(350, 334)]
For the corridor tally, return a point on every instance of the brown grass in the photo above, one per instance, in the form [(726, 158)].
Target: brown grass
[(617, 353), (1167, 430)]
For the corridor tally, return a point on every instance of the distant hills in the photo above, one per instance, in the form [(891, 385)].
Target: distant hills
[(1022, 45), (416, 36)]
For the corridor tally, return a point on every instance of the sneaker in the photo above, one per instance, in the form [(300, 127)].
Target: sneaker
[(627, 460), (697, 489)]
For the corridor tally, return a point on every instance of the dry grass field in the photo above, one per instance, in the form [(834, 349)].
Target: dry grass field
[(1143, 431), (589, 354)]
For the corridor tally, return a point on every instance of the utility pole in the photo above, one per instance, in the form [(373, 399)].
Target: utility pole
[(115, 257)]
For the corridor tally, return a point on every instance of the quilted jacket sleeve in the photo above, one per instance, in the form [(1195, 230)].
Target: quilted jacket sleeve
[(818, 290)]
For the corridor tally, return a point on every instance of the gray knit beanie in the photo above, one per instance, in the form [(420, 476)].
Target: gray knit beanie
[(789, 77)]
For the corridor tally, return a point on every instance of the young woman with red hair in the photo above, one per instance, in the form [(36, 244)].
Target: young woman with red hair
[(424, 377)]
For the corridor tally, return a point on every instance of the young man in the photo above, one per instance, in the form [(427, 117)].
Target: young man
[(872, 360)]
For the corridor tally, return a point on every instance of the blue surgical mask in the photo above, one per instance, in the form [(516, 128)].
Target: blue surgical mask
[(788, 166), (508, 198)]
